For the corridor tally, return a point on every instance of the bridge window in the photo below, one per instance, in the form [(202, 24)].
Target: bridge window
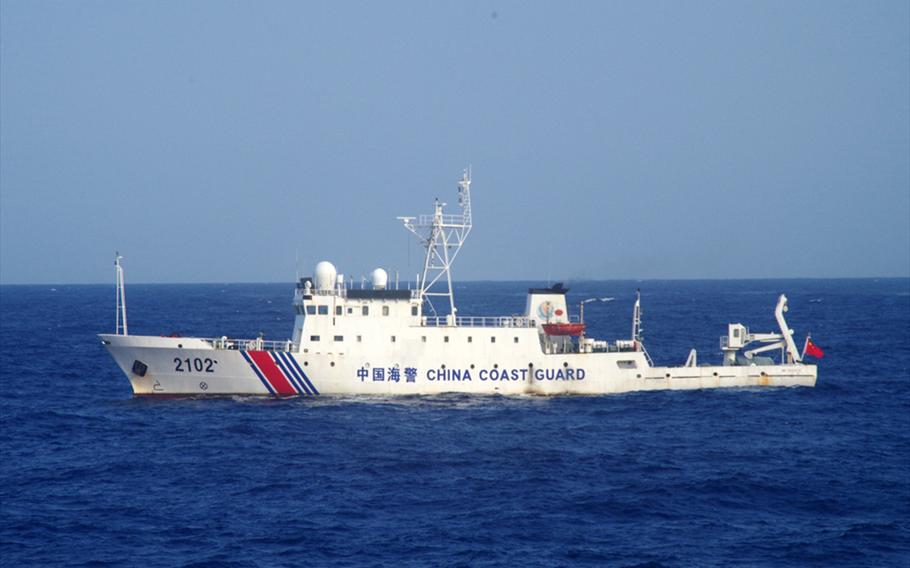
[(470, 339), (323, 310), (311, 310), (385, 310), (339, 338), (516, 340), (314, 338), (493, 339), (445, 339), (413, 310), (366, 310), (338, 310)]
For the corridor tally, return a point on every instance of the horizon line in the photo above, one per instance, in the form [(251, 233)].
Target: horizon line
[(481, 280)]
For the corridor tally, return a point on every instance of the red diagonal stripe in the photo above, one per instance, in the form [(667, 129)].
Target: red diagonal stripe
[(272, 373)]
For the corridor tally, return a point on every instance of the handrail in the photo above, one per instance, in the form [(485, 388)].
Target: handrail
[(426, 220), (257, 344), (477, 321), (343, 292)]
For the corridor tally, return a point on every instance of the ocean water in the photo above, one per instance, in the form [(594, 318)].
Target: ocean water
[(90, 476)]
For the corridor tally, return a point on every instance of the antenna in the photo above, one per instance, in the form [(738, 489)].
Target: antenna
[(637, 339), (443, 236), (120, 325), (636, 318)]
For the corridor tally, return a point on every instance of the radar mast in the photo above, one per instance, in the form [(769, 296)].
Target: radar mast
[(443, 236)]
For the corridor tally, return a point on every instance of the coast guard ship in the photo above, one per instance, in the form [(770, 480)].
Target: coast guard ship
[(381, 340)]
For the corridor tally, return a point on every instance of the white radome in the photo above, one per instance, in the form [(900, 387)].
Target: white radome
[(380, 279), (325, 274)]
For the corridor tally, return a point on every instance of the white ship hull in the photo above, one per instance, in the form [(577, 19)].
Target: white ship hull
[(388, 341), (197, 368)]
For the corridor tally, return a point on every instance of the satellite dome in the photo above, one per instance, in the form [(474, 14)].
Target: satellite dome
[(379, 278), (325, 275)]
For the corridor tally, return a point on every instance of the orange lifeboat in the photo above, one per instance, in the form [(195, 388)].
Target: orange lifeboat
[(564, 328)]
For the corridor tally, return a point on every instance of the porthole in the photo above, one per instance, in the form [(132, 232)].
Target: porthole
[(495, 365), (565, 365), (332, 364)]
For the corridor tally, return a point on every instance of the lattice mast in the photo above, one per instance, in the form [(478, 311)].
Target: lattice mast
[(443, 236)]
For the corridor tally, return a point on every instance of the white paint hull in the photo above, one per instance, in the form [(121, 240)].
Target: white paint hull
[(379, 341), (237, 372)]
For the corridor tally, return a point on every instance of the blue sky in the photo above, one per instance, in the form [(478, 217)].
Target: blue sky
[(211, 141)]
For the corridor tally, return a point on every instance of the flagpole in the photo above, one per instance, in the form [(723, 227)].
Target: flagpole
[(805, 345)]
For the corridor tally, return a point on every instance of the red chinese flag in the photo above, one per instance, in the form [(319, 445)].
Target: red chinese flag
[(814, 350)]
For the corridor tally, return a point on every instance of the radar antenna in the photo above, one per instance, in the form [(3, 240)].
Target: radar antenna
[(443, 236)]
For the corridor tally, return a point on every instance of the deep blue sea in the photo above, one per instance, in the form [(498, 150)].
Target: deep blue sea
[(820, 476)]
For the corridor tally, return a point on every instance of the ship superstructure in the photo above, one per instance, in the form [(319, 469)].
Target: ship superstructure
[(385, 340)]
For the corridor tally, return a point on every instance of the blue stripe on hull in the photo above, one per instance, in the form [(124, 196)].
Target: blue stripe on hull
[(301, 373), (276, 357), (256, 370), (286, 359)]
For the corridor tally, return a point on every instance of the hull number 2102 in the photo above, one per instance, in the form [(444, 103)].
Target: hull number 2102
[(189, 365)]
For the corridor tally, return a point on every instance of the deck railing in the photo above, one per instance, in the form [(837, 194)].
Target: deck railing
[(251, 344), (446, 219), (477, 321), (343, 292)]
